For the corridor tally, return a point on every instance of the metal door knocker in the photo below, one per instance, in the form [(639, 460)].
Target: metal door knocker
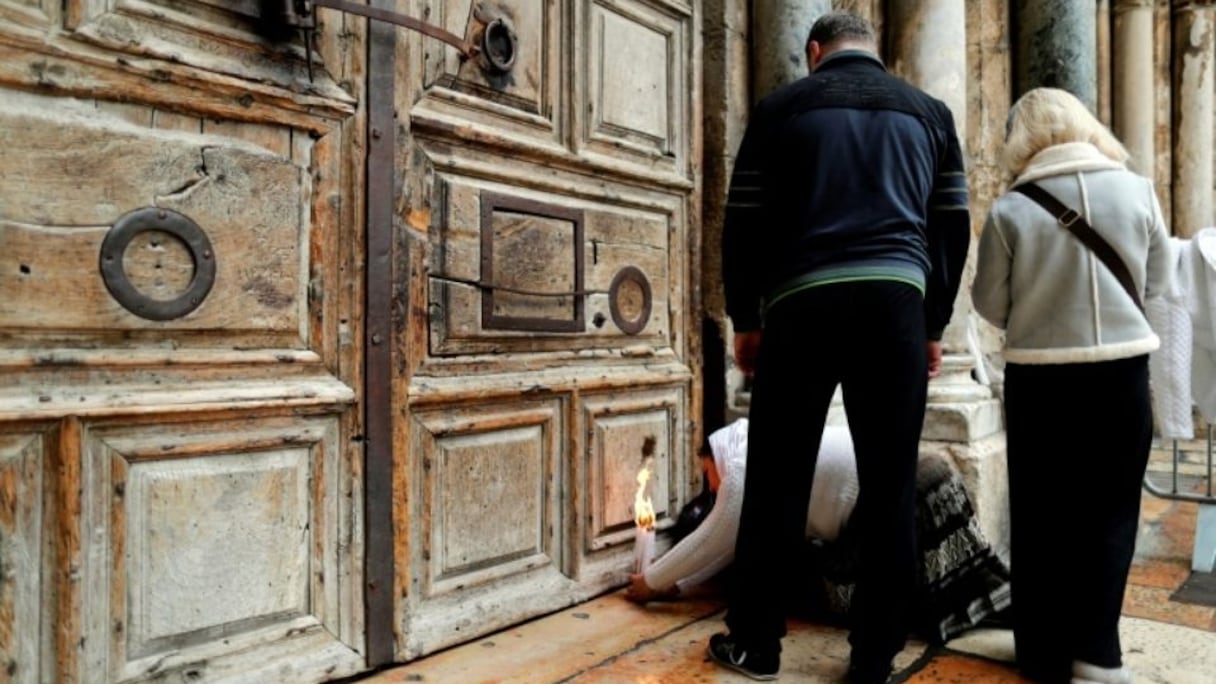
[(118, 282), (629, 300), (499, 45)]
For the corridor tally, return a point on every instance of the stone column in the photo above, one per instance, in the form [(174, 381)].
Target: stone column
[(726, 81), (1057, 47), (1193, 111), (1134, 88), (1103, 60), (779, 30), (1163, 105), (928, 48), (927, 41)]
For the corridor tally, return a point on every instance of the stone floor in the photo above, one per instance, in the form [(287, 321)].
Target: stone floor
[(612, 641)]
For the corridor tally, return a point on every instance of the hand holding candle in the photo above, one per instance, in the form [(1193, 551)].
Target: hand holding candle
[(643, 516)]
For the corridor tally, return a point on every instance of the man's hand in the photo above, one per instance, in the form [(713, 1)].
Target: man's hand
[(935, 358), (747, 349), (640, 592)]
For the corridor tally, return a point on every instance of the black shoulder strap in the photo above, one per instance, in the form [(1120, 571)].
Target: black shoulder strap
[(1076, 223)]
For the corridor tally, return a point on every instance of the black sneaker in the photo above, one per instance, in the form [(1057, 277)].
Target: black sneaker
[(729, 654)]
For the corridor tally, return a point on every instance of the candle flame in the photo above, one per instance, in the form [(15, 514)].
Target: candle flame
[(643, 507)]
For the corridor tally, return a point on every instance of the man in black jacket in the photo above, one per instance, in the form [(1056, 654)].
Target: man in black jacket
[(846, 233)]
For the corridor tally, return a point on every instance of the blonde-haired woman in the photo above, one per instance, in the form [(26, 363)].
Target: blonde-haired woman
[(1077, 407)]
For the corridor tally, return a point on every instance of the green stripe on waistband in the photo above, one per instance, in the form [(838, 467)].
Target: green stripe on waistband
[(847, 274)]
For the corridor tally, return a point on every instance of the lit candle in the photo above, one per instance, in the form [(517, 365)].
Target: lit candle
[(643, 548), (643, 516)]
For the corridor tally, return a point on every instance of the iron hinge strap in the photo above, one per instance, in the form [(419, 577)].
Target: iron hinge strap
[(300, 14), (466, 48), (482, 285)]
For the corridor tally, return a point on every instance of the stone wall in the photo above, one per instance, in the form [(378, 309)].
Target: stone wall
[(726, 86)]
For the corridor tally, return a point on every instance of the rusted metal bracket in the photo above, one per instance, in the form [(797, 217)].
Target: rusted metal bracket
[(301, 14), (491, 287)]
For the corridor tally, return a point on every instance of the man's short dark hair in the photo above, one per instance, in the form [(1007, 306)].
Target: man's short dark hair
[(836, 26)]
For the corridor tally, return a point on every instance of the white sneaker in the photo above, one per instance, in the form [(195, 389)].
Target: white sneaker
[(1084, 673)]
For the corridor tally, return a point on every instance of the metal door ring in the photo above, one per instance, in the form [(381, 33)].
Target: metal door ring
[(629, 300), (114, 247), (500, 45)]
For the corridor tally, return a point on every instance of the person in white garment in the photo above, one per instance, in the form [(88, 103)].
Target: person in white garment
[(963, 582)]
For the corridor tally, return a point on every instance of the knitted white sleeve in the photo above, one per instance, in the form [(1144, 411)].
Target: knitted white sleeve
[(1170, 368), (835, 488), (709, 548), (1202, 308), (1171, 364)]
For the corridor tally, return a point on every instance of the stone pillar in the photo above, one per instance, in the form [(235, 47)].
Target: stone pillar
[(1133, 105), (1057, 47), (1193, 111), (1103, 60), (779, 30), (872, 10), (929, 50), (927, 46), (1163, 105)]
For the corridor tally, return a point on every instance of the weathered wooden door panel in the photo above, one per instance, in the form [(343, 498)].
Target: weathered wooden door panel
[(545, 242), (625, 431), (541, 240), (634, 106), (524, 102), (23, 481), (244, 197), (486, 476), (179, 279), (218, 35), (208, 539)]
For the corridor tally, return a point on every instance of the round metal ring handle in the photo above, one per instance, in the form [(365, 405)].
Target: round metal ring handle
[(499, 45), (634, 276), (114, 247)]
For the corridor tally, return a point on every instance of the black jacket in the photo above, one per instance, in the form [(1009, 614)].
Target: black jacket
[(848, 170)]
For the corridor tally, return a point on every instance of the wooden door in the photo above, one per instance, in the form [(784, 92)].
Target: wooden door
[(544, 237), (180, 237)]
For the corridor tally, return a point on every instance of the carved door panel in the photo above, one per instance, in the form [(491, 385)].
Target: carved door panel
[(180, 231), (544, 237)]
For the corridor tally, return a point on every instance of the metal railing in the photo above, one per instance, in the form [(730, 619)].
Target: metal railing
[(1173, 491)]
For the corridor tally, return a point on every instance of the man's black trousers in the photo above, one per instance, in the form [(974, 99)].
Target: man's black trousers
[(868, 337)]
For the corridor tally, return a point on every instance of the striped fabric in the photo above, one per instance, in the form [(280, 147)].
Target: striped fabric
[(963, 582), (949, 192)]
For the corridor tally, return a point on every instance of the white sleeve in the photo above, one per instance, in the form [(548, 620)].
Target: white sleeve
[(709, 548), (993, 270), (835, 487)]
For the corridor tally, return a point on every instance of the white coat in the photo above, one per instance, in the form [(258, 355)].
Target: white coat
[(1055, 299)]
